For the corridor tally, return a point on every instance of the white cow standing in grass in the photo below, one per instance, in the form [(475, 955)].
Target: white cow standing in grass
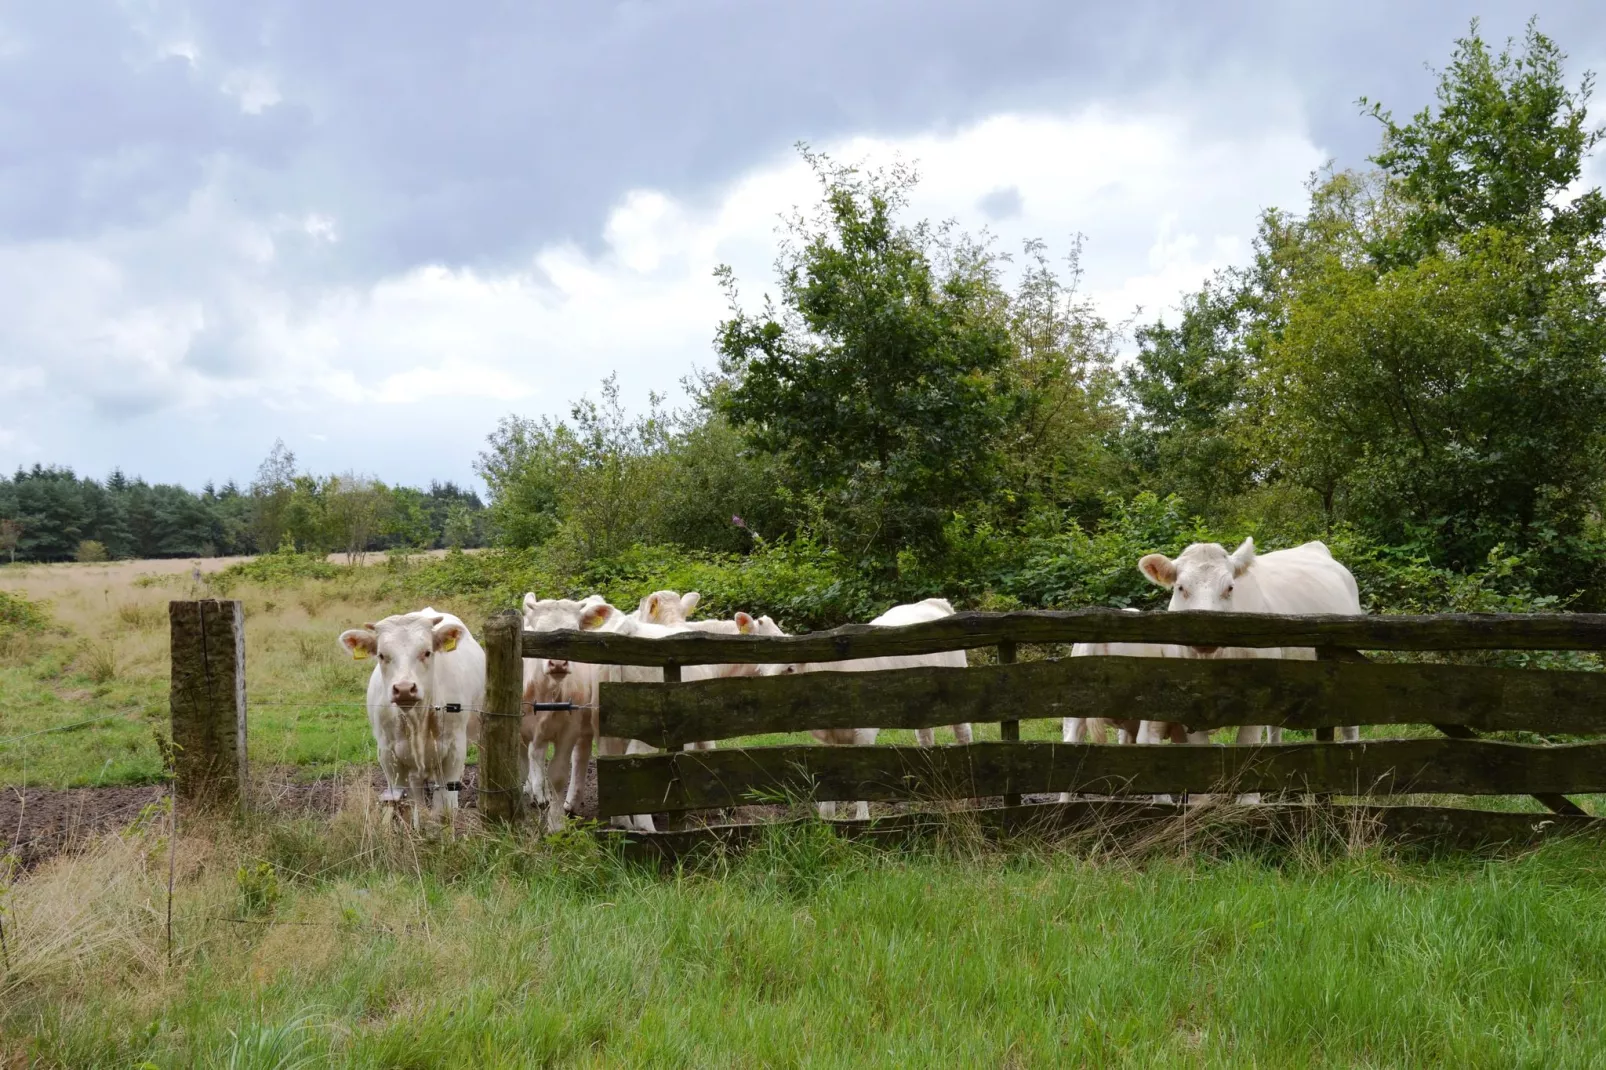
[(554, 784), (1303, 579), (897, 616), (427, 661)]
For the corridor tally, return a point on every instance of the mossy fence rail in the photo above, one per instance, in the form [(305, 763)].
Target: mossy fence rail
[(1342, 687)]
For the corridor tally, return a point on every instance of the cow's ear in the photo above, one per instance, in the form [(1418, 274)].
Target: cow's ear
[(688, 602), (530, 600), (594, 617), (1160, 569), (359, 642), (650, 614), (1242, 558), (744, 624), (447, 637)]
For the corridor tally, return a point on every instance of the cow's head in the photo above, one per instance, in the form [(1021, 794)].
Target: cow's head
[(600, 617), (667, 607), (406, 646), (1203, 577), (555, 615)]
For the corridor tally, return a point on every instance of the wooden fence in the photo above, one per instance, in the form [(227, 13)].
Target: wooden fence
[(1342, 688)]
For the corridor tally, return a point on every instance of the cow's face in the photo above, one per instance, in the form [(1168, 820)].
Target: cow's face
[(555, 615), (406, 647), (1203, 577), (667, 607)]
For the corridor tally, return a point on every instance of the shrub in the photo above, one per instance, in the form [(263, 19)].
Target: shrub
[(89, 551), (281, 568)]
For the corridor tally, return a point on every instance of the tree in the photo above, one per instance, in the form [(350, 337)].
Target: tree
[(459, 531), (1434, 368), (884, 379), (10, 534), (356, 509), (1507, 140), (271, 493)]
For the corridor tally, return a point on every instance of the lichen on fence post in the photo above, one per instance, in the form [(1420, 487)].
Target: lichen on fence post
[(207, 700), (502, 754)]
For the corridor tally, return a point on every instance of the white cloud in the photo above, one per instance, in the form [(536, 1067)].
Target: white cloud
[(205, 312)]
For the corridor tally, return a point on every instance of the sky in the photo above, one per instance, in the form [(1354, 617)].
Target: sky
[(372, 230)]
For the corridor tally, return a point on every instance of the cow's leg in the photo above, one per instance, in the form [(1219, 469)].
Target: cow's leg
[(558, 775), (1349, 734), (1251, 735), (925, 737), (417, 792), (580, 767), (963, 733), (536, 786), (828, 810)]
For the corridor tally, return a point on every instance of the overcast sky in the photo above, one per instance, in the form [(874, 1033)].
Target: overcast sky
[(372, 229)]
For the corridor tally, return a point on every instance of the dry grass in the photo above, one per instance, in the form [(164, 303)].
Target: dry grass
[(109, 657)]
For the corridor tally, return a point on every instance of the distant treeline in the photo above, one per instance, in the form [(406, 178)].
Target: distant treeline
[(52, 514)]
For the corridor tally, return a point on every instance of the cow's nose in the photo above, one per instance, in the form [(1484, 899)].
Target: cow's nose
[(404, 694), (1206, 651), (557, 668)]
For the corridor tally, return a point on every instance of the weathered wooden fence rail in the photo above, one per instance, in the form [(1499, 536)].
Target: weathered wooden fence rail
[(1343, 688), (965, 631)]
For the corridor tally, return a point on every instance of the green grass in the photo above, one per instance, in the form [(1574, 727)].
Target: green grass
[(382, 952)]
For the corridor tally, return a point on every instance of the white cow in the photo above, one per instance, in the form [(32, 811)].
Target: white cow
[(897, 616), (666, 607), (427, 662), (670, 609), (608, 619), (555, 783), (1304, 579)]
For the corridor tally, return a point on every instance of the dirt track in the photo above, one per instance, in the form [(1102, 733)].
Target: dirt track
[(36, 823)]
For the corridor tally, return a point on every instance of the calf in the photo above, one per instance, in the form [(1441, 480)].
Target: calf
[(606, 618), (554, 784), (428, 662)]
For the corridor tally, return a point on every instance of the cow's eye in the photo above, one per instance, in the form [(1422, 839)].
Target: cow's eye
[(384, 657), (1228, 592), (1183, 591), (424, 656)]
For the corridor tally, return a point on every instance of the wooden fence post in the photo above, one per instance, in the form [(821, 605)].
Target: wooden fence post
[(207, 699), (1008, 730), (502, 755)]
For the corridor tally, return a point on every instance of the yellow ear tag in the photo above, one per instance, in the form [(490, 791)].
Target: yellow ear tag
[(359, 653), (450, 644)]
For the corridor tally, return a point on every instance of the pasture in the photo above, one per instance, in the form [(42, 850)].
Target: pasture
[(310, 936)]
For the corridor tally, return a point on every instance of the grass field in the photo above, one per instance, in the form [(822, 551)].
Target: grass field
[(331, 944), (331, 941)]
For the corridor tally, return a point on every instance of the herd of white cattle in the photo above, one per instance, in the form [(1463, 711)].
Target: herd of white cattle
[(428, 686)]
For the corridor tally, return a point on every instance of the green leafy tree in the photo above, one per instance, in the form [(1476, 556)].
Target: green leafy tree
[(1435, 366), (271, 493), (1508, 137), (884, 378)]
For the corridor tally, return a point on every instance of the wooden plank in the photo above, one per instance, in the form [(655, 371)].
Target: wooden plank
[(1438, 826), (1542, 631), (1009, 729), (207, 700), (701, 780), (502, 751), (1556, 804), (1201, 693)]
